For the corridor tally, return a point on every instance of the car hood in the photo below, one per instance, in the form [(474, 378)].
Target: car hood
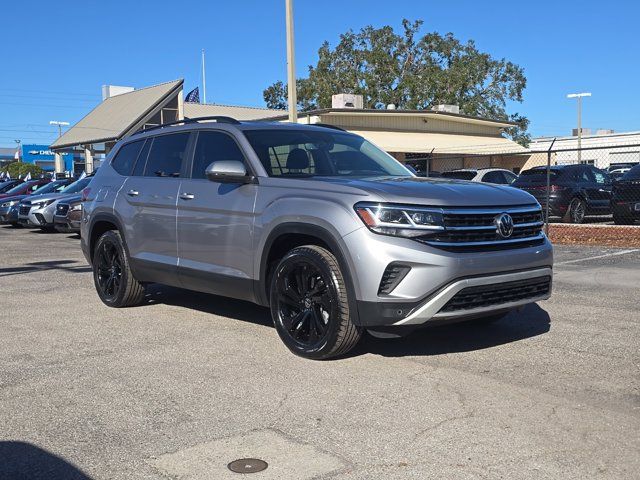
[(436, 191), (71, 198), (44, 197), (12, 198)]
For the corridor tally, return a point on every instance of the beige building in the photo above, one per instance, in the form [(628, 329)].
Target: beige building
[(429, 140)]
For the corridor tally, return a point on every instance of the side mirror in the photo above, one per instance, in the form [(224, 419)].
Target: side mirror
[(228, 171)]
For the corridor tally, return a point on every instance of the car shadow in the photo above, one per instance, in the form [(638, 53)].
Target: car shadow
[(204, 302), (64, 265), (22, 460), (528, 322)]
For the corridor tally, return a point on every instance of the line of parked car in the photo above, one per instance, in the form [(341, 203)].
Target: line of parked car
[(43, 203), (575, 191)]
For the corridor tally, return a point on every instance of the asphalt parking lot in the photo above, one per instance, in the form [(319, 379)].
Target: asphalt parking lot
[(182, 386)]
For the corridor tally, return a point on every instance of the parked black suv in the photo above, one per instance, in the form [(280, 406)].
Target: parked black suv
[(575, 191), (626, 197)]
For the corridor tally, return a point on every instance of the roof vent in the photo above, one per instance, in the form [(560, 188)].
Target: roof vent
[(113, 90), (346, 100), (604, 131), (446, 108)]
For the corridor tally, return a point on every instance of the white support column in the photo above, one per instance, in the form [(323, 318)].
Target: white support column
[(88, 159), (59, 163)]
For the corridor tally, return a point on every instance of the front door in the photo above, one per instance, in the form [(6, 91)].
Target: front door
[(215, 223), (150, 195)]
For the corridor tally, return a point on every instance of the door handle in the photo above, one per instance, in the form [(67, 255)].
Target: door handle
[(133, 193), (187, 196)]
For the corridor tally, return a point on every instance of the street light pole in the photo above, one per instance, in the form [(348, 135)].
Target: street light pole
[(579, 97), (58, 157), (18, 150), (291, 68)]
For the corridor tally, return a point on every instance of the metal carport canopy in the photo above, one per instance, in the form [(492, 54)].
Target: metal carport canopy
[(427, 142)]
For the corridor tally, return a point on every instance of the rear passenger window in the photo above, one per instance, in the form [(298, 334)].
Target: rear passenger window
[(126, 157), (212, 147), (138, 170), (166, 155)]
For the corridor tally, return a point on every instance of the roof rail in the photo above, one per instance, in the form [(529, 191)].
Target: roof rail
[(217, 118), (327, 125)]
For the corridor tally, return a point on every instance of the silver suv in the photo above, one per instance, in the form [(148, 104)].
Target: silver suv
[(329, 231)]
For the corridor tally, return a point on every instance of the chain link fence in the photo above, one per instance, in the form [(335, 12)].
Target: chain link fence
[(588, 195)]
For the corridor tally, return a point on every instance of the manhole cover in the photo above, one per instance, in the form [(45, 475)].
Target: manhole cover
[(248, 465)]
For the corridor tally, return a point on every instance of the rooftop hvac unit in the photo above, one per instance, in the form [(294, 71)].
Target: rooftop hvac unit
[(446, 108), (113, 90), (346, 100)]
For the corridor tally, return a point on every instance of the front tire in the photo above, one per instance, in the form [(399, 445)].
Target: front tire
[(112, 276), (310, 305)]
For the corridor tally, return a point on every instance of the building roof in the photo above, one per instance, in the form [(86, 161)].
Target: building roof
[(415, 113), (112, 118), (427, 142), (193, 110)]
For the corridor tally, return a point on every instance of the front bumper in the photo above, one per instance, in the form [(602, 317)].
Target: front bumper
[(9, 214), (434, 278), (38, 217), (438, 306)]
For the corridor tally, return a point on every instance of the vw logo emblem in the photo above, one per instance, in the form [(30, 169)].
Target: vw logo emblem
[(504, 225)]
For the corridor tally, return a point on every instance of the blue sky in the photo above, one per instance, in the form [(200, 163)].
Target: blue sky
[(56, 55)]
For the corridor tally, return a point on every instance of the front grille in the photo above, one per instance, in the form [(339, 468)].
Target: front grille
[(62, 209), (499, 293), (24, 210), (476, 229)]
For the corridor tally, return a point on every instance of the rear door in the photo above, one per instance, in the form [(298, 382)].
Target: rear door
[(215, 223), (148, 207), (600, 187)]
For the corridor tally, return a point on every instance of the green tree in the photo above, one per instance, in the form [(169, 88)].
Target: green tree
[(16, 169), (411, 72)]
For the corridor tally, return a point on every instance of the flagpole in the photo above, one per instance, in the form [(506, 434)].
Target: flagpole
[(204, 81)]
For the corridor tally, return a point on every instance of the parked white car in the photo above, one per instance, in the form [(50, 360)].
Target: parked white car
[(499, 176)]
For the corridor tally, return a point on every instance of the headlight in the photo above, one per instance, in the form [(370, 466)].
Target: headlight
[(9, 204), (400, 221), (76, 207), (42, 204)]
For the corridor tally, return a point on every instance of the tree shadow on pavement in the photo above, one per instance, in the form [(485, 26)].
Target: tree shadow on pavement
[(204, 302), (529, 322), (21, 460)]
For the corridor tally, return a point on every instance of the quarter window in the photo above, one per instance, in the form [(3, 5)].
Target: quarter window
[(166, 155), (126, 157), (213, 147)]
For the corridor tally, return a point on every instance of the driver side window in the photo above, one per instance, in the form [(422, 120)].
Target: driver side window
[(213, 147)]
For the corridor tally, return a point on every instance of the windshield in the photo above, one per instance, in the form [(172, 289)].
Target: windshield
[(459, 175), (20, 188), (52, 187), (633, 174), (307, 153), (78, 185)]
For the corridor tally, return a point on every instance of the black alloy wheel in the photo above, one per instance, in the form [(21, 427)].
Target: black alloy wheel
[(309, 304), (108, 270), (577, 210), (112, 276)]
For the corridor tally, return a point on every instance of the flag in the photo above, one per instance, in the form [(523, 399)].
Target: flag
[(193, 96), (84, 174), (28, 177), (8, 177), (53, 175), (2, 175)]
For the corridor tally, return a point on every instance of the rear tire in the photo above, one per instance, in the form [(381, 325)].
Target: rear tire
[(620, 220), (112, 276), (576, 211), (310, 305)]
